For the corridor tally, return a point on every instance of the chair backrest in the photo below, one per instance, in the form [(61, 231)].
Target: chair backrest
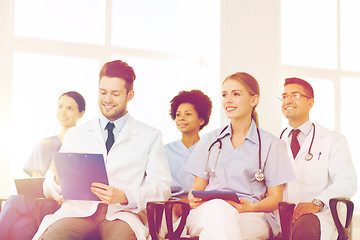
[(286, 211), (185, 209), (155, 214)]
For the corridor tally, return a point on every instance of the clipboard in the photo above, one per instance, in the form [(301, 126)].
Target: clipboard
[(77, 171), (209, 195)]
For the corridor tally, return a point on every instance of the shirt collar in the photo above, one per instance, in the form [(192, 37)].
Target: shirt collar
[(119, 123), (305, 128), (251, 135)]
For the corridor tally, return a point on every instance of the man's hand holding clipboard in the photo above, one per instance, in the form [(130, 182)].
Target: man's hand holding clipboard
[(109, 194)]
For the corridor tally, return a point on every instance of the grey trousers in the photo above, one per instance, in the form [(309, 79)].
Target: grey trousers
[(89, 228)]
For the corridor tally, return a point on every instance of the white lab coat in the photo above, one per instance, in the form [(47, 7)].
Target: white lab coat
[(136, 163), (329, 174)]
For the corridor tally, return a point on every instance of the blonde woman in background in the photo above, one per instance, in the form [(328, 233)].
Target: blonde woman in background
[(17, 219)]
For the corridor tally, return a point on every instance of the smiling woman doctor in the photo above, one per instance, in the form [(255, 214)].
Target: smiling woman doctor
[(245, 159)]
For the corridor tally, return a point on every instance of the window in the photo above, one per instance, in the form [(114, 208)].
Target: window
[(146, 25), (60, 46), (310, 38), (350, 36), (350, 117), (323, 49), (80, 21)]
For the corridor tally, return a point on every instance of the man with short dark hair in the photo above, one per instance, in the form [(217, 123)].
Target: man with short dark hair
[(322, 164), (136, 165)]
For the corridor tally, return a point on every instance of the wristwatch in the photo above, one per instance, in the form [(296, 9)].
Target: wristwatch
[(318, 203)]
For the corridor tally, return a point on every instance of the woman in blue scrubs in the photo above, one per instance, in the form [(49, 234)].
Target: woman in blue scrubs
[(234, 167), (17, 219), (191, 111), (71, 108)]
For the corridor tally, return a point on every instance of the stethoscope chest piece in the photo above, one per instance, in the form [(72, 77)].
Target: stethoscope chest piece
[(259, 175), (308, 156)]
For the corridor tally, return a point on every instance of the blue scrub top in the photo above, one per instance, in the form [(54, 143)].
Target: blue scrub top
[(182, 181), (40, 158), (235, 168)]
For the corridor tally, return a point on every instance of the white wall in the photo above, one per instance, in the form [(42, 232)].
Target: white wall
[(5, 94), (250, 42)]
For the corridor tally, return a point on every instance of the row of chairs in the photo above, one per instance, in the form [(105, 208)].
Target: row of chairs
[(156, 209), (155, 212)]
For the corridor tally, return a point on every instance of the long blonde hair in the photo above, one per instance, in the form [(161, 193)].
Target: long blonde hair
[(251, 85)]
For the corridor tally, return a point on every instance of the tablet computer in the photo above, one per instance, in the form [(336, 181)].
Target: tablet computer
[(209, 195), (77, 171), (30, 187)]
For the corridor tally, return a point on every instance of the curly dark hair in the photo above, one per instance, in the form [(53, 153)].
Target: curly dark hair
[(198, 99)]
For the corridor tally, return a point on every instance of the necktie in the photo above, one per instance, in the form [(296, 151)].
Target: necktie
[(295, 146), (110, 139)]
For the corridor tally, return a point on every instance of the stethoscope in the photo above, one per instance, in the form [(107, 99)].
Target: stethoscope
[(309, 155), (259, 175)]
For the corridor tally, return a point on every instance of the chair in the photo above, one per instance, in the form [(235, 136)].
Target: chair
[(344, 232), (286, 211), (22, 215), (43, 207), (155, 212)]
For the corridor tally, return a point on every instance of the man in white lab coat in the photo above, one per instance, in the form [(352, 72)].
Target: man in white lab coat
[(136, 165), (322, 164)]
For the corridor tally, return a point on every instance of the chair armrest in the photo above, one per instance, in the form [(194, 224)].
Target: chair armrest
[(154, 212), (286, 211), (343, 231)]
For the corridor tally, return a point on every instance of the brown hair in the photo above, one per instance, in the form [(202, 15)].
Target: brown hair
[(78, 98), (119, 69)]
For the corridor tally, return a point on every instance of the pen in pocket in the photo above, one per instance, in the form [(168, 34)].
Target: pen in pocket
[(319, 155)]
